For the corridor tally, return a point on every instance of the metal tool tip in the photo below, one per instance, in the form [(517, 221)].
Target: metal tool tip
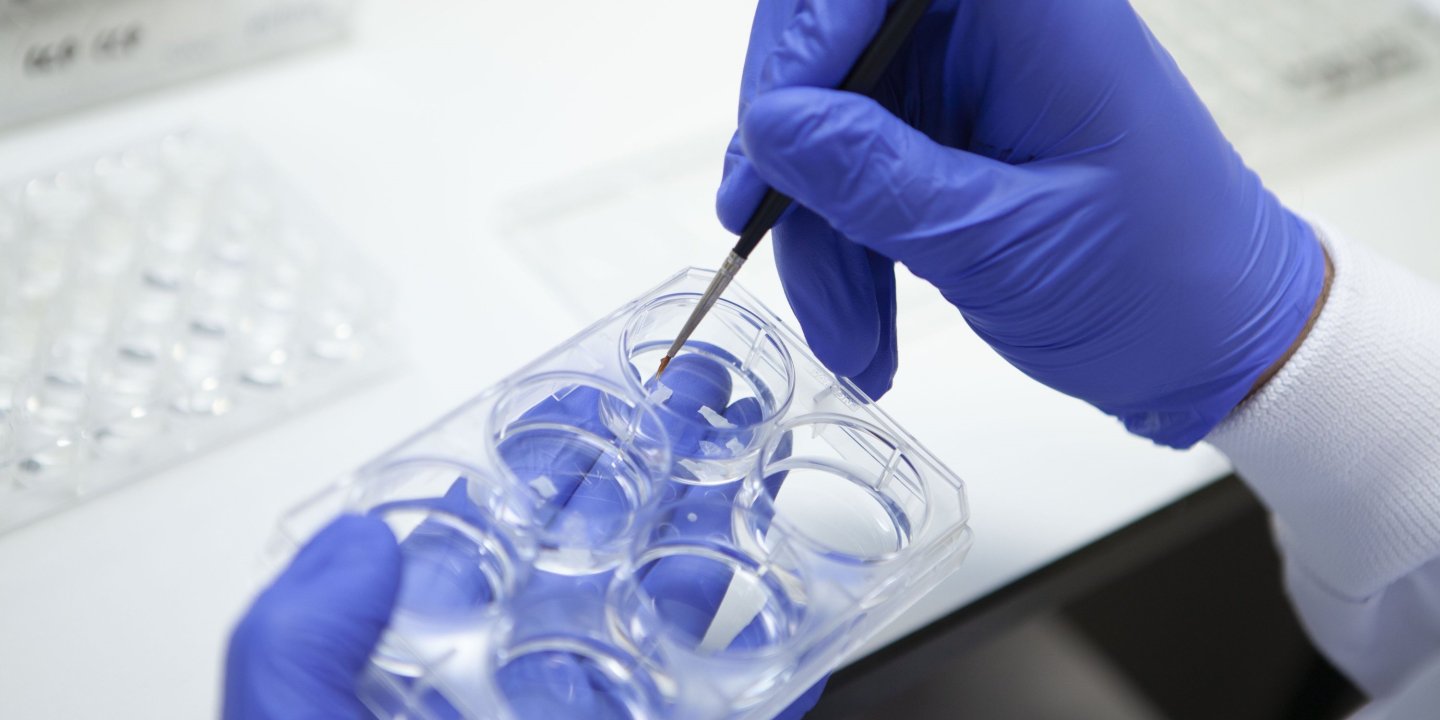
[(663, 362)]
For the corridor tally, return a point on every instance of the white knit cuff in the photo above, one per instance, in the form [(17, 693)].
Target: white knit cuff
[(1343, 444)]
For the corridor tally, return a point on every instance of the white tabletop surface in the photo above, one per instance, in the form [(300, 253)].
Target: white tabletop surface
[(410, 137)]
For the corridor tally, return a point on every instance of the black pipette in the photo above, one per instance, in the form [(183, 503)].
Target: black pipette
[(863, 77)]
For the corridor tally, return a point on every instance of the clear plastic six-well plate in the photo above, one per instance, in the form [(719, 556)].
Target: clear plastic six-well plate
[(584, 540)]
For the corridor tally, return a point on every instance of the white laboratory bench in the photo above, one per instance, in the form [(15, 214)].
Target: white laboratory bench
[(411, 136)]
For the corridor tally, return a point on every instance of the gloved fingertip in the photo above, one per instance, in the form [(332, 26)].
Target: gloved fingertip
[(777, 122), (352, 566), (365, 539), (745, 412), (878, 378), (734, 153), (841, 359), (830, 285), (694, 381), (347, 537), (739, 193), (299, 648)]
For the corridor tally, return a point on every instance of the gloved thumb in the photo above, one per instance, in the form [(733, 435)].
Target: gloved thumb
[(300, 649), (873, 178)]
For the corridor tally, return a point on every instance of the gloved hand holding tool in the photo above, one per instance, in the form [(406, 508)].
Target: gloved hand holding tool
[(1047, 167)]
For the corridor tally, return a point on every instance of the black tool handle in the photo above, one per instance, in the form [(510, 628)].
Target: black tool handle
[(873, 63)]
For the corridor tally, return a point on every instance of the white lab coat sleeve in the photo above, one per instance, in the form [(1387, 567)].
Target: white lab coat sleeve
[(1343, 447)]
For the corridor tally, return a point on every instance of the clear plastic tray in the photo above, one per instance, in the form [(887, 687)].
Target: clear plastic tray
[(159, 300), (581, 540)]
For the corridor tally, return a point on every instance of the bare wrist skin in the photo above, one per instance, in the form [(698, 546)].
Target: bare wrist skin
[(1274, 370)]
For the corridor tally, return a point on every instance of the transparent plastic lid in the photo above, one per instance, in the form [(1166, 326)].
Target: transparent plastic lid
[(583, 540)]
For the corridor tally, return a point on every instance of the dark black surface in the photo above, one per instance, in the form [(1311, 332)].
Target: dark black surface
[(1186, 602), (1209, 633)]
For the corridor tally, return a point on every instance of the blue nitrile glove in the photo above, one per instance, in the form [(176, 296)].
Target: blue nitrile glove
[(1046, 166), (302, 646), (300, 650)]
